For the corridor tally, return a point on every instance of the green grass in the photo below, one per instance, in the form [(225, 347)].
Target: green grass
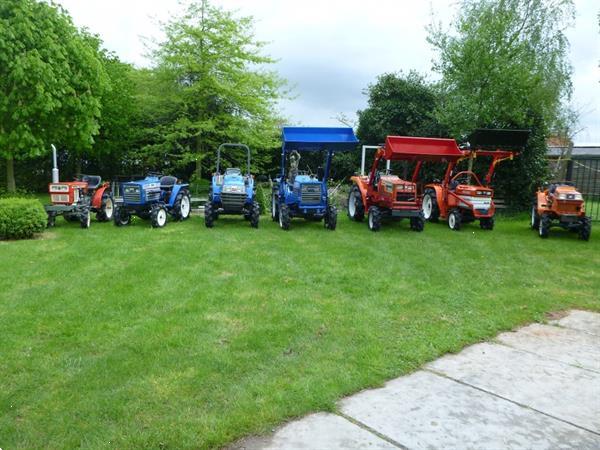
[(190, 338)]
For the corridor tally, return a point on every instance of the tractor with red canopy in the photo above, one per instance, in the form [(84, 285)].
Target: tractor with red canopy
[(382, 194)]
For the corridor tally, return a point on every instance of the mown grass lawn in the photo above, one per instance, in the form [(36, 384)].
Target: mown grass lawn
[(189, 338)]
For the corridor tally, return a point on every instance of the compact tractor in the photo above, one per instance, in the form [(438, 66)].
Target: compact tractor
[(153, 198), (560, 204), (76, 200), (461, 197), (381, 194), (302, 193), (232, 192)]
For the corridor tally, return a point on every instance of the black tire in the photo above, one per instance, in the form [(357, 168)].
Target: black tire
[(107, 209), (209, 215), (455, 219), (51, 222), (417, 223), (183, 206), (85, 219), (72, 217), (374, 218), (284, 217), (254, 215), (544, 227), (158, 216), (535, 217), (487, 223), (356, 208), (331, 218), (431, 211), (585, 229), (121, 217), (274, 206)]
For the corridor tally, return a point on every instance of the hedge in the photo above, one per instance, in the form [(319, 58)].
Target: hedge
[(21, 218)]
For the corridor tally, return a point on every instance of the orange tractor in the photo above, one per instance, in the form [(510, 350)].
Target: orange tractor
[(560, 204), (381, 194)]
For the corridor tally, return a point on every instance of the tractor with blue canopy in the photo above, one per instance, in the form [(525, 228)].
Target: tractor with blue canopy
[(302, 193)]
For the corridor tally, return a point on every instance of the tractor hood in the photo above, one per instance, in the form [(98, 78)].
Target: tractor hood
[(238, 180)]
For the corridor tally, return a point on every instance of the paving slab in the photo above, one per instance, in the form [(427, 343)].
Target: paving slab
[(317, 431), (581, 320), (563, 391), (424, 411), (561, 344)]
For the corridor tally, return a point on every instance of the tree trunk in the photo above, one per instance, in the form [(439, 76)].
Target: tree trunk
[(198, 157), (11, 186), (77, 166)]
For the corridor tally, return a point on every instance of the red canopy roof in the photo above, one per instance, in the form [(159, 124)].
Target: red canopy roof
[(398, 148)]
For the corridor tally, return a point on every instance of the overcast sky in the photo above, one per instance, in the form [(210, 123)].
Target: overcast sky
[(331, 50)]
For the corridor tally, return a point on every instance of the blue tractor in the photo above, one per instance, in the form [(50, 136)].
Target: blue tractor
[(302, 193), (232, 192), (153, 198)]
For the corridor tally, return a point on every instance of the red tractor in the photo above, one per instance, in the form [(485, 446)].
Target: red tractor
[(560, 205), (384, 195), (461, 197), (76, 200)]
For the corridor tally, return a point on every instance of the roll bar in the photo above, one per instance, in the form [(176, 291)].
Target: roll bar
[(232, 145)]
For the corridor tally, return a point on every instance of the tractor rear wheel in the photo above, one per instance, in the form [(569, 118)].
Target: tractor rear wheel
[(209, 215), (487, 223), (107, 209), (85, 219), (274, 203), (544, 228), (331, 218), (455, 220), (374, 219), (284, 217), (585, 230), (356, 208), (158, 217), (255, 215), (182, 206), (535, 217), (122, 217), (431, 210), (417, 223)]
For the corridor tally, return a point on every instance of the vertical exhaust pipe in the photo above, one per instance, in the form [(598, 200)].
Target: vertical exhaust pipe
[(54, 165)]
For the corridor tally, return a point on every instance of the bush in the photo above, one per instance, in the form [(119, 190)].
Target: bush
[(21, 218), (263, 200)]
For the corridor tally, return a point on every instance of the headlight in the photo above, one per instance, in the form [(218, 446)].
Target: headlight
[(562, 196), (233, 189)]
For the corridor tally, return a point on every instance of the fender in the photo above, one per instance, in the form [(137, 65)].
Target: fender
[(439, 196), (97, 198), (361, 183), (540, 200), (176, 189)]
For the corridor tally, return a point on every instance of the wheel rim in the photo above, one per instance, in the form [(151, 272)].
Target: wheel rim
[(352, 204), (109, 208), (161, 217), (533, 216), (370, 220), (427, 206), (280, 219), (88, 220), (273, 207), (185, 207), (452, 221), (541, 228)]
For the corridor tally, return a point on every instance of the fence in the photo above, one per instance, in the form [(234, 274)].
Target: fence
[(585, 173)]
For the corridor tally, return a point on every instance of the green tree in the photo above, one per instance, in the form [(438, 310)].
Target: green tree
[(505, 64), (50, 79), (212, 71)]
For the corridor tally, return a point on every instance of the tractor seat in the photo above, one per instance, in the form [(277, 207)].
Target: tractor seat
[(167, 182), (93, 181), (454, 184)]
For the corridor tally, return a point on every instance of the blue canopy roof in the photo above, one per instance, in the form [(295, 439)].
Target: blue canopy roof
[(318, 138)]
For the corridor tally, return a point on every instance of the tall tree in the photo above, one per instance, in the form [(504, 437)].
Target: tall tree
[(218, 84), (50, 79), (505, 64)]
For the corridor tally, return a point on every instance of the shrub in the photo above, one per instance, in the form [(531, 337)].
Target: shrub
[(262, 199), (21, 218)]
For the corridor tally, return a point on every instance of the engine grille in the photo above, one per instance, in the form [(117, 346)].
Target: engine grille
[(60, 198), (401, 197), (132, 197), (232, 200), (310, 193)]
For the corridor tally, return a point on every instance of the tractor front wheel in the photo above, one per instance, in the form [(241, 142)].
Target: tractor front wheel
[(107, 209), (331, 218), (544, 228), (356, 209), (284, 217), (374, 218), (455, 220), (486, 223), (417, 223), (535, 217), (585, 230), (85, 219), (158, 217), (51, 220), (255, 215), (122, 217), (209, 215), (274, 202), (182, 206), (431, 210)]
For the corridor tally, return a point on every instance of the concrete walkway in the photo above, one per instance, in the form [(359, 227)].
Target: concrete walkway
[(537, 388)]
